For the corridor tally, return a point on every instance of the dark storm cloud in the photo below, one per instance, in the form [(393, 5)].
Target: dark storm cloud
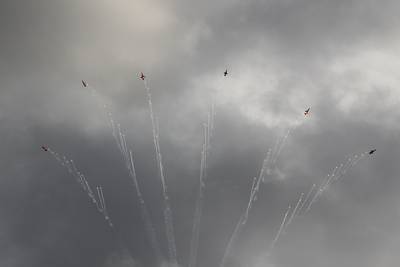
[(339, 57)]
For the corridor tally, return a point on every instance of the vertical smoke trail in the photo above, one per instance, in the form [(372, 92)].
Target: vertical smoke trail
[(145, 216), (120, 141), (151, 234), (280, 228), (194, 244), (167, 207)]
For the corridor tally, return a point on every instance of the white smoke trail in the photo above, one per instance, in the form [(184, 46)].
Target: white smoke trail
[(295, 210), (120, 140), (99, 205), (167, 207), (253, 195), (351, 164), (194, 244), (306, 199), (318, 193), (280, 147), (243, 218), (337, 175), (236, 232), (275, 149), (104, 208), (82, 181), (280, 228), (150, 231)]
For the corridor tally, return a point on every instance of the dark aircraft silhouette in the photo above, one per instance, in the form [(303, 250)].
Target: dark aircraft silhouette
[(372, 151), (226, 72), (307, 111), (84, 83), (142, 76), (45, 148)]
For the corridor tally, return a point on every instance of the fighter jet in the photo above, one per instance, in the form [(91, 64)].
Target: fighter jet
[(84, 83), (45, 148), (372, 151), (226, 72), (307, 111), (142, 76)]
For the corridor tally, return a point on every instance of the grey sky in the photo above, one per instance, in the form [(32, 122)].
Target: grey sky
[(338, 57)]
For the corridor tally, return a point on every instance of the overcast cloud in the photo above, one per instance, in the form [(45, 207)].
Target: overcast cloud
[(341, 58)]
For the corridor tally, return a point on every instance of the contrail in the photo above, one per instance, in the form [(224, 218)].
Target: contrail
[(151, 233), (344, 168), (243, 218), (306, 199), (194, 244), (120, 140), (99, 204), (103, 206), (280, 228), (80, 178), (280, 147), (336, 175), (351, 164), (295, 210), (282, 142), (253, 197), (275, 149), (236, 232), (167, 207), (319, 192)]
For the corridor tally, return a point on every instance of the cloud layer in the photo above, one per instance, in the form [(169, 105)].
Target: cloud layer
[(337, 57)]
